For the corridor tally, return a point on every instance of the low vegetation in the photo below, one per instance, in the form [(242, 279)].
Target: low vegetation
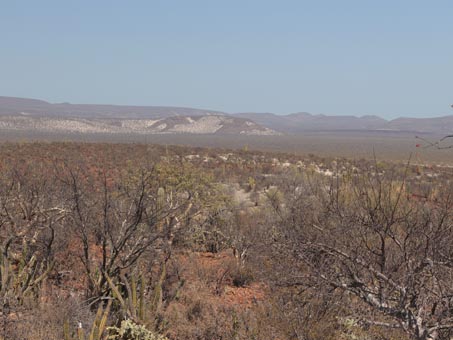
[(136, 241)]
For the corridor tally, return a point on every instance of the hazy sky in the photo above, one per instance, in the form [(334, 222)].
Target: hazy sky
[(391, 58)]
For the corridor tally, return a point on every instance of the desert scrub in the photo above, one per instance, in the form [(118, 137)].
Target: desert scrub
[(131, 331)]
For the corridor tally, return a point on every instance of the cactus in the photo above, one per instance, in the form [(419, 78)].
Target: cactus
[(133, 304), (157, 301), (66, 331), (100, 322), (141, 306), (98, 327), (160, 206), (251, 184), (21, 280), (132, 331), (160, 198), (132, 299)]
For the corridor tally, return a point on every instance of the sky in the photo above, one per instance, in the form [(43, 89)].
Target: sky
[(389, 58)]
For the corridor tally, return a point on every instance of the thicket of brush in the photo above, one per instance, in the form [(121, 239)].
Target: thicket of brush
[(98, 242)]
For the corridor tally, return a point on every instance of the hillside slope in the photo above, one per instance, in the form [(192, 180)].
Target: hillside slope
[(210, 124)]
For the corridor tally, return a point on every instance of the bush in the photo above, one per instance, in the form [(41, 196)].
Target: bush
[(195, 311), (242, 277)]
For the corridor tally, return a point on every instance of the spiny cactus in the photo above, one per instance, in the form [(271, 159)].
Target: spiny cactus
[(157, 296), (131, 331), (130, 295), (160, 198), (132, 304), (160, 206), (98, 328)]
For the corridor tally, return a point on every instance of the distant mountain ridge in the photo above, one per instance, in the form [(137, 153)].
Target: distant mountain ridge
[(303, 122), (39, 114), (22, 114), (10, 106)]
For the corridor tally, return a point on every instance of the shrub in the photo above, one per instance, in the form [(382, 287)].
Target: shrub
[(242, 277)]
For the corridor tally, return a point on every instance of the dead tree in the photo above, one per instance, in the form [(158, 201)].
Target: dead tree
[(118, 217), (391, 257), (441, 144)]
